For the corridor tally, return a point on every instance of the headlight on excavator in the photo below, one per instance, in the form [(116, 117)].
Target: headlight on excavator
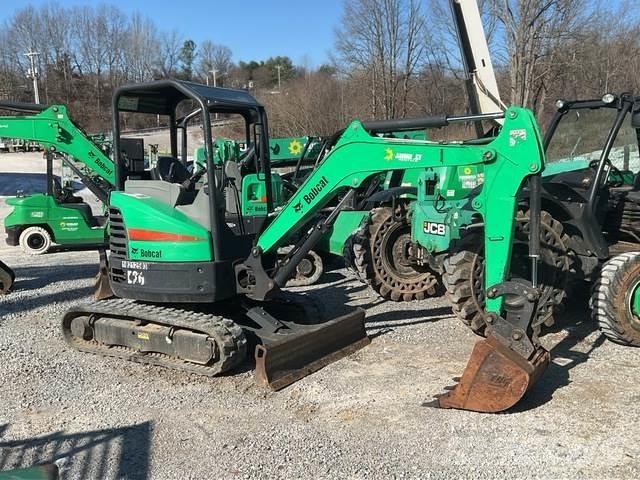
[(560, 104), (608, 98)]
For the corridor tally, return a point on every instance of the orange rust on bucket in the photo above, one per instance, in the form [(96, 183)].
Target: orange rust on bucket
[(495, 378)]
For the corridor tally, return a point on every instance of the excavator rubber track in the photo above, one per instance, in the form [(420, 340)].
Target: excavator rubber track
[(229, 342)]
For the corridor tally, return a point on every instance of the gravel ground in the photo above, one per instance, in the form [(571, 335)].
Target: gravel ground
[(362, 417)]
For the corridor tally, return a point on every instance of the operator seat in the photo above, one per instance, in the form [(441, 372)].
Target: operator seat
[(171, 170)]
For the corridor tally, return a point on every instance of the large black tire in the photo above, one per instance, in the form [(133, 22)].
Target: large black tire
[(7, 277), (464, 272), (381, 258), (308, 271), (611, 299)]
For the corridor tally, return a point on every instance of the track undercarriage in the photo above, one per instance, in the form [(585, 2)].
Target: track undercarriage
[(210, 342)]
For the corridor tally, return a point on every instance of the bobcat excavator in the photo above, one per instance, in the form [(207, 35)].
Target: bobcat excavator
[(194, 294)]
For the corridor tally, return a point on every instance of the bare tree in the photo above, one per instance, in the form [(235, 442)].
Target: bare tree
[(170, 46), (382, 39), (214, 57), (534, 30), (142, 49)]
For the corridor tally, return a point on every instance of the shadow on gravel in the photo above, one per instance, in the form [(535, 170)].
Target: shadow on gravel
[(26, 305), (557, 375), (110, 453), (389, 321), (39, 277)]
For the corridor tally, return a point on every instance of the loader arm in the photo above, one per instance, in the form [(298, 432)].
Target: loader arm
[(508, 159), (52, 128)]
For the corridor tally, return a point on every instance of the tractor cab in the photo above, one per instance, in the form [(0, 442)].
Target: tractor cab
[(189, 223), (591, 170)]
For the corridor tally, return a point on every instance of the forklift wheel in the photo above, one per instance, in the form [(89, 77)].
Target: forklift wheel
[(615, 300), (35, 241)]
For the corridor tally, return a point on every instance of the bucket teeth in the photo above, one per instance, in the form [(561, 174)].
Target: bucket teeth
[(495, 378)]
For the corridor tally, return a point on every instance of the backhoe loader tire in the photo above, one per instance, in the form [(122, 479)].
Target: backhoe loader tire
[(35, 241), (381, 258), (612, 299), (464, 273)]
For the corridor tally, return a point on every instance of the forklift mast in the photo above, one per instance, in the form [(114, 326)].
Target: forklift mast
[(481, 83)]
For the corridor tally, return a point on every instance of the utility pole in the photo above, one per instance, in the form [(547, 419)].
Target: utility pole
[(33, 73), (215, 83), (279, 84)]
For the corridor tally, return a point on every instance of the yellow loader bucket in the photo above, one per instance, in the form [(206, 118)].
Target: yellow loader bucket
[(495, 378)]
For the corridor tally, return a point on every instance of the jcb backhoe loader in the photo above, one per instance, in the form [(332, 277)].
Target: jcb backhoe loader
[(192, 290)]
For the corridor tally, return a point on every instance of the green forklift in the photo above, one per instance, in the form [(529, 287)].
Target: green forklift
[(57, 216)]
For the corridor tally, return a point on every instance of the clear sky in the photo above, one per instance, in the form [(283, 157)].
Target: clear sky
[(253, 29)]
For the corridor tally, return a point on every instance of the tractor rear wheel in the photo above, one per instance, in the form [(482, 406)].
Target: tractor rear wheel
[(464, 272), (615, 300), (382, 258), (35, 241)]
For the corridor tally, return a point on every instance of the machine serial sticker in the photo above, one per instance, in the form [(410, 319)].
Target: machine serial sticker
[(433, 228), (135, 265), (143, 335), (468, 181), (516, 136), (37, 214)]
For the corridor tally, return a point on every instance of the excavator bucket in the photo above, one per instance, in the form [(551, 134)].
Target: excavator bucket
[(281, 362), (495, 378), (7, 277), (102, 287)]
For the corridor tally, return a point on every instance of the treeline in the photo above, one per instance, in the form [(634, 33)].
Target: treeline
[(391, 58)]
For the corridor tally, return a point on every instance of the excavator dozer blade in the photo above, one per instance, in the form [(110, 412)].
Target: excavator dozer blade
[(7, 277), (102, 287), (495, 378), (283, 362)]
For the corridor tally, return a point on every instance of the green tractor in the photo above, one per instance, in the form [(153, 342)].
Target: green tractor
[(194, 293)]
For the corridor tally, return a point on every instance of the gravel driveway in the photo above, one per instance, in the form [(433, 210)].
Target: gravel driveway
[(362, 417)]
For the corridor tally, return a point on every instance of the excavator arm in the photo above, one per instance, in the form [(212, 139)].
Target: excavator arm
[(52, 128), (508, 159), (503, 366)]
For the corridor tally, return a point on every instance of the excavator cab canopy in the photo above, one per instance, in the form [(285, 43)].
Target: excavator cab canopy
[(183, 102)]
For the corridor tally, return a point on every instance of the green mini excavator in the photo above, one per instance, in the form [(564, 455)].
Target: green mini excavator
[(195, 292)]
